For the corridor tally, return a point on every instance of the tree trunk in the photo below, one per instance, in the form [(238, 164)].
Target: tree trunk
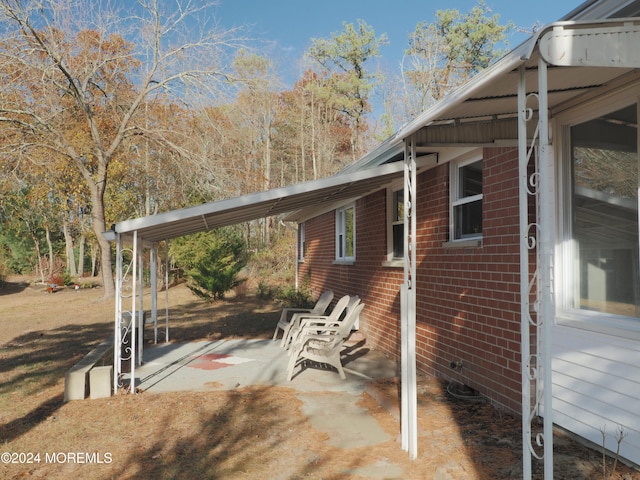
[(39, 254), (313, 140), (68, 241), (99, 227), (50, 245), (105, 260), (81, 243), (94, 260)]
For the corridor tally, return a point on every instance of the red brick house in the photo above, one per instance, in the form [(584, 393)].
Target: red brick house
[(525, 243), (494, 239), (468, 305)]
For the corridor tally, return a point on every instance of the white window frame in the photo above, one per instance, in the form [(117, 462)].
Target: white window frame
[(392, 260), (341, 237), (566, 313), (302, 245), (455, 200)]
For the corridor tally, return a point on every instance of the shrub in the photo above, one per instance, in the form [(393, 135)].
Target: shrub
[(55, 279), (289, 296), (211, 261), (292, 298)]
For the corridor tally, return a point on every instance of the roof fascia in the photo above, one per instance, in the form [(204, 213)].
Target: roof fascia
[(596, 9), (423, 163)]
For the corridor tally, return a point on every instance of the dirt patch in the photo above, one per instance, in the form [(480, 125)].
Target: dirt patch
[(475, 436), (250, 433)]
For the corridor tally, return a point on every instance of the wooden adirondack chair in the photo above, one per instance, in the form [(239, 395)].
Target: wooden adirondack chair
[(318, 309), (324, 347)]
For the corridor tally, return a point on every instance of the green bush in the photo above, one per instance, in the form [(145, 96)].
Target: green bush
[(289, 296), (265, 291), (292, 298), (211, 261)]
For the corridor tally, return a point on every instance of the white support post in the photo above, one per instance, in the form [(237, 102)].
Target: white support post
[(153, 267), (166, 293), (134, 273), (546, 253), (536, 183), (523, 164), (117, 334), (409, 418), (139, 323), (297, 258)]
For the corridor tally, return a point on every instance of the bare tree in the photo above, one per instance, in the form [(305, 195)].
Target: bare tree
[(77, 74)]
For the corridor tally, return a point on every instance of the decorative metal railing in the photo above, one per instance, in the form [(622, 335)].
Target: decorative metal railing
[(125, 333), (408, 306), (536, 276)]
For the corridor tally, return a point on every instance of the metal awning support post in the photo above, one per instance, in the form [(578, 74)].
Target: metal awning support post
[(546, 253), (409, 418), (139, 317), (117, 333), (132, 382), (536, 292), (166, 293), (523, 192), (153, 267)]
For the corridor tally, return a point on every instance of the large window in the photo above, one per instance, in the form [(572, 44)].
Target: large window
[(466, 200), (602, 225), (346, 233)]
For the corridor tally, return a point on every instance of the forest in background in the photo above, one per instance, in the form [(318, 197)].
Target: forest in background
[(113, 113)]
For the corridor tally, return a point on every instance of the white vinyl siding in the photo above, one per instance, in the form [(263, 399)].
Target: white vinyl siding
[(596, 386)]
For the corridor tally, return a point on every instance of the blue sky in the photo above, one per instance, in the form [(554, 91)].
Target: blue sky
[(284, 28)]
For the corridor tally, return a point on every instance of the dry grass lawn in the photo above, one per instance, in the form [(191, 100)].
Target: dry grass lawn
[(251, 433)]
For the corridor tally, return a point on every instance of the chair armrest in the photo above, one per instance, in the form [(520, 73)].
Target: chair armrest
[(297, 310), (313, 331), (325, 329), (298, 316), (312, 337), (286, 311), (316, 320)]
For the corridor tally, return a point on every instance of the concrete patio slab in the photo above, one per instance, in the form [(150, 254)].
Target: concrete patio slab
[(228, 364), (329, 402)]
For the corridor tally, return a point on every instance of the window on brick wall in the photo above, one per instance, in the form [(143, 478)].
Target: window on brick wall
[(466, 199), (601, 274), (346, 233), (396, 224), (302, 246)]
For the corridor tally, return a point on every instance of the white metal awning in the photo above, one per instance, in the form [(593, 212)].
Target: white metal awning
[(343, 187)]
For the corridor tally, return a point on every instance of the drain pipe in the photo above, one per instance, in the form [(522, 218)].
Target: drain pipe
[(296, 253)]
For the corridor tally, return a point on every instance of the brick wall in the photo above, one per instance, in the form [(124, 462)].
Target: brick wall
[(468, 298)]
